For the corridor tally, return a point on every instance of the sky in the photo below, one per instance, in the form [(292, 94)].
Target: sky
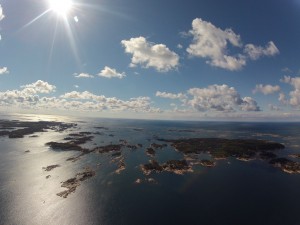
[(159, 59)]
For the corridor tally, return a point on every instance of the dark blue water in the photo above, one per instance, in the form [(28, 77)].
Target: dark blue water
[(233, 192)]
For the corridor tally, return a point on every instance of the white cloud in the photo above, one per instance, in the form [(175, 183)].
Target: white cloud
[(76, 86), (295, 94), (4, 70), (220, 98), (100, 102), (148, 54), (28, 97), (86, 95), (212, 43), (249, 104), (106, 72), (255, 52), (294, 81), (170, 95), (39, 87), (266, 89), (1, 13), (83, 75), (282, 98), (111, 73)]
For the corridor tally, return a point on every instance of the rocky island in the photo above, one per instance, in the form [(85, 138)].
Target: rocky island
[(223, 148), (150, 152), (207, 163), (72, 183), (18, 129), (286, 165), (51, 167), (173, 166), (241, 149)]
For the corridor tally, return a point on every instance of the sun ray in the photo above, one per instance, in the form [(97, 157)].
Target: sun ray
[(62, 12), (72, 40), (36, 18), (53, 42)]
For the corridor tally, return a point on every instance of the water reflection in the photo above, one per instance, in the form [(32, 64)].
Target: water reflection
[(27, 197)]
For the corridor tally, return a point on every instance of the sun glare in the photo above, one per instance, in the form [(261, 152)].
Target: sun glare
[(61, 7)]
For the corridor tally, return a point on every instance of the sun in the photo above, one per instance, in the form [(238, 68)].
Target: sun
[(61, 7)]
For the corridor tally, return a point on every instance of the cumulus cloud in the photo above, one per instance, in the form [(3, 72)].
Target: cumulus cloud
[(282, 98), (249, 104), (27, 96), (148, 54), (83, 75), (294, 81), (111, 73), (85, 95), (1, 13), (37, 96), (170, 95), (100, 102), (295, 94), (255, 52), (220, 98), (212, 43), (106, 72), (266, 89), (39, 87), (4, 70)]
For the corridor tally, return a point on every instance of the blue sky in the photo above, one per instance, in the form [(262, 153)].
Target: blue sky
[(193, 59)]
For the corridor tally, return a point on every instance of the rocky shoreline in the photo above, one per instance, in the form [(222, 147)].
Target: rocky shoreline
[(72, 183), (240, 149), (173, 166)]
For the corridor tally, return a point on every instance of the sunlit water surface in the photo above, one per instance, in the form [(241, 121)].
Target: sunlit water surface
[(233, 192)]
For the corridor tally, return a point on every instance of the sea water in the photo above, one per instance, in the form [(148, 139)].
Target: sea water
[(233, 192)]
